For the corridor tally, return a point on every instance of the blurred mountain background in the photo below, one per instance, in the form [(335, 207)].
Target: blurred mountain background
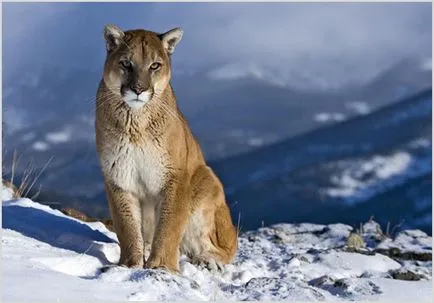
[(307, 112)]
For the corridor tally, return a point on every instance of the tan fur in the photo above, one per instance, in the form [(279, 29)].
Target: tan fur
[(161, 193)]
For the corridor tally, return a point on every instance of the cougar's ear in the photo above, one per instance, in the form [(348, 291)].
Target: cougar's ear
[(113, 36), (171, 38)]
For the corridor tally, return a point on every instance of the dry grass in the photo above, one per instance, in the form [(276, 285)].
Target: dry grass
[(74, 213), (238, 225), (29, 177), (390, 231)]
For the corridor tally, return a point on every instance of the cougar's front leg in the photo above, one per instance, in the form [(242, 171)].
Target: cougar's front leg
[(125, 209), (172, 217)]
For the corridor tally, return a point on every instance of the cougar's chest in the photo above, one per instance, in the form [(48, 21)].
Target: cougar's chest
[(139, 169)]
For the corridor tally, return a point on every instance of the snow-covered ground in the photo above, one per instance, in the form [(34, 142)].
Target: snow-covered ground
[(48, 256)]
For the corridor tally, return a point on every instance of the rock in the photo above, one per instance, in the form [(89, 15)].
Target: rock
[(321, 281), (321, 232), (253, 238), (407, 245), (396, 253), (345, 287), (303, 259), (348, 287), (406, 275), (362, 251), (263, 283), (280, 237), (342, 283)]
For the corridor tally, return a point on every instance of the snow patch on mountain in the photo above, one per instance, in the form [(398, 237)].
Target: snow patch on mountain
[(362, 178), (59, 136), (327, 117), (40, 146), (361, 108), (240, 70)]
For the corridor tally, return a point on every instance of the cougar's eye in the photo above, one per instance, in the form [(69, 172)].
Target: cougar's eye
[(155, 66), (125, 63)]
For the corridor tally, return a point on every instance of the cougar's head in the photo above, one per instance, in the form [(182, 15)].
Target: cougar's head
[(137, 66)]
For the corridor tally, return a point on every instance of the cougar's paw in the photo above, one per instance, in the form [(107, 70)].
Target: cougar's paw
[(210, 264), (131, 264), (158, 262), (131, 260)]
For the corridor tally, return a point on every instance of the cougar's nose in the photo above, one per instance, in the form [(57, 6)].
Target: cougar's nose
[(137, 89)]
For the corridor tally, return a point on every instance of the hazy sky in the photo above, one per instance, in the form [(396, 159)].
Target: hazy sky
[(339, 42)]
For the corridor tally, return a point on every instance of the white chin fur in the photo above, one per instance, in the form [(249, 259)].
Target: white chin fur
[(135, 104), (135, 101)]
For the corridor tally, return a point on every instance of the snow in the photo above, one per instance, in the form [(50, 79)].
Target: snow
[(7, 193), (395, 164), (362, 178), (420, 143), (40, 146), (239, 70), (58, 137), (326, 117), (256, 141), (409, 241), (361, 108), (403, 291), (347, 265), (48, 256)]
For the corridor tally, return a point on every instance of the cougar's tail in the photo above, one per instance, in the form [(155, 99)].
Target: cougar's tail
[(226, 233)]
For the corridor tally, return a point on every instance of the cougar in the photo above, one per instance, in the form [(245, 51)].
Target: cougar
[(161, 193)]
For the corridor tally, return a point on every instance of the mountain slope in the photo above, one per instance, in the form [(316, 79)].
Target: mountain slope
[(328, 170)]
